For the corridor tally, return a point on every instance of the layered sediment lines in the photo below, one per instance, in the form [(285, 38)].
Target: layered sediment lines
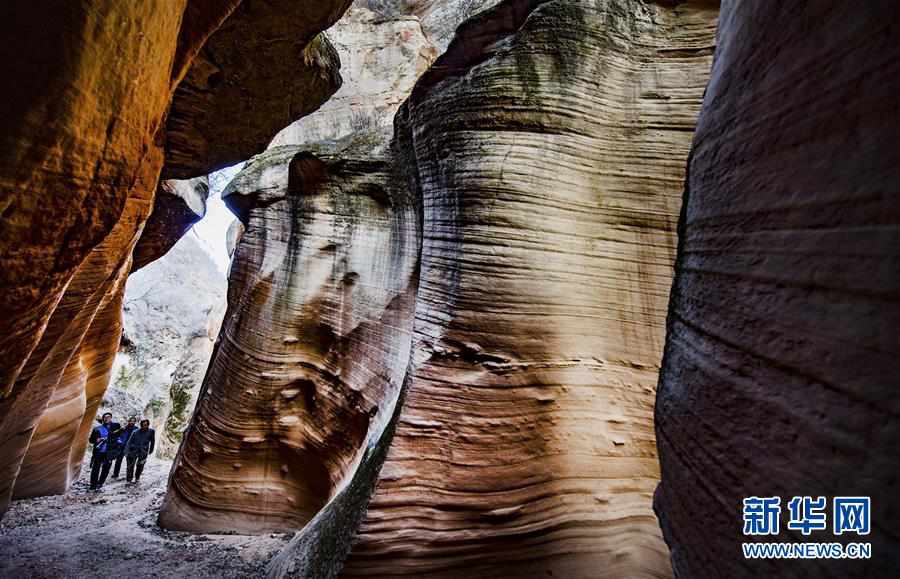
[(314, 348), (780, 375), (547, 147), (83, 145)]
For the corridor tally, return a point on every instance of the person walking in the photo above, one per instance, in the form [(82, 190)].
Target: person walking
[(117, 449), (100, 438), (140, 445)]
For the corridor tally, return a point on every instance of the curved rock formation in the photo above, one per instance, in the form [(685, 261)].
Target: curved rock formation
[(53, 461), (548, 146), (266, 66), (83, 110), (52, 389), (177, 207), (781, 362), (88, 91), (327, 267)]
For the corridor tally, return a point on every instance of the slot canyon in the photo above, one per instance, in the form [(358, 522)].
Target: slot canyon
[(461, 289)]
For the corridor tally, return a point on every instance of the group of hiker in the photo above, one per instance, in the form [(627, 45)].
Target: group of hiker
[(113, 442)]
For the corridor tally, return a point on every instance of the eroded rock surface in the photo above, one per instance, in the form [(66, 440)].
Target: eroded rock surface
[(439, 18), (781, 362), (67, 373), (82, 111), (381, 56), (82, 151), (177, 207), (548, 147), (384, 47), (266, 66), (315, 344)]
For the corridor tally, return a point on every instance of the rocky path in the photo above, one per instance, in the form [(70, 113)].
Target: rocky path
[(114, 534)]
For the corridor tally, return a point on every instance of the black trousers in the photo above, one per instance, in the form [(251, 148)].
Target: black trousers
[(135, 466), (118, 465), (99, 469)]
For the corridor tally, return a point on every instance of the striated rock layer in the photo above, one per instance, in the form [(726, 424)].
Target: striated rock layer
[(82, 149), (314, 348), (66, 374), (548, 148), (781, 363)]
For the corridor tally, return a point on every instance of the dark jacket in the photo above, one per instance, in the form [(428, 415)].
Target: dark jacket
[(100, 436), (141, 443), (117, 448)]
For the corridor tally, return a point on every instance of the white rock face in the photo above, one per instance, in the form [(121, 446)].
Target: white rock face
[(384, 46), (439, 18), (172, 312), (381, 58)]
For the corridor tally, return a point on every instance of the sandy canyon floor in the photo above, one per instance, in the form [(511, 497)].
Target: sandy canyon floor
[(114, 534)]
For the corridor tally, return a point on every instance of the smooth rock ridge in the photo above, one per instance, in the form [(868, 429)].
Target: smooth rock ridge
[(314, 348)]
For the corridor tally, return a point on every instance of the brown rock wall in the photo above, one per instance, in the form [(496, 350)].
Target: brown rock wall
[(314, 347), (781, 362), (549, 146)]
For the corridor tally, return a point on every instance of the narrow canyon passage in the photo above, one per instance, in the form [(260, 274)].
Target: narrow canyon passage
[(457, 289)]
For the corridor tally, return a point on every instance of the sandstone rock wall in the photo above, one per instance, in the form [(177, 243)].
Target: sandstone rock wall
[(51, 394), (86, 96), (546, 150), (781, 363), (84, 141), (77, 379), (548, 146), (315, 345)]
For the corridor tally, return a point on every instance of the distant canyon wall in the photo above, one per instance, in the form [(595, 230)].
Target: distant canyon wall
[(384, 47), (172, 313)]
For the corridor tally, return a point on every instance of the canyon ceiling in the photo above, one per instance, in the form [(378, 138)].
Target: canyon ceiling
[(449, 296)]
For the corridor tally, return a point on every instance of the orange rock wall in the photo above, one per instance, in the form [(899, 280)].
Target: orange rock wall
[(83, 145)]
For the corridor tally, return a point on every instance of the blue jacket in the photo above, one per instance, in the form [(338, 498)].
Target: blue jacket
[(100, 436)]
